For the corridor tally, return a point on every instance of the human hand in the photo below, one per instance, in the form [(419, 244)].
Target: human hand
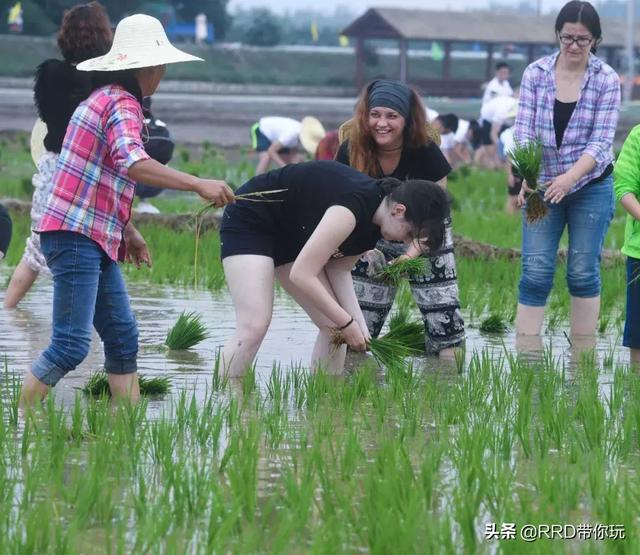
[(215, 191), (353, 337), (137, 251), (559, 188), (522, 195), (375, 260)]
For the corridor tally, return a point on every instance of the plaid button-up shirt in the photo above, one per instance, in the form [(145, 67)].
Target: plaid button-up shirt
[(592, 124), (92, 192)]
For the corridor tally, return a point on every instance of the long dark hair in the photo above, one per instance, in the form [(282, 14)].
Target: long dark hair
[(577, 11), (427, 206), (126, 78)]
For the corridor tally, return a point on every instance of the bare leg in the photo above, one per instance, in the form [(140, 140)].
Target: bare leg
[(263, 163), (511, 206), (250, 279), (325, 354), (635, 358), (33, 390), (529, 319), (584, 315), (124, 386), (21, 281)]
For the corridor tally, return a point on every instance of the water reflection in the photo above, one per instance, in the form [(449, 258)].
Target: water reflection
[(25, 332)]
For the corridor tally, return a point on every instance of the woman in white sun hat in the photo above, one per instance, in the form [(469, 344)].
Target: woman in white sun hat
[(85, 228)]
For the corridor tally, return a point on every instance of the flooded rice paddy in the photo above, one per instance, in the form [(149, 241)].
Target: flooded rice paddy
[(414, 459)]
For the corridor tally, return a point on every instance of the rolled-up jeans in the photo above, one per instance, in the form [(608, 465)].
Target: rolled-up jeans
[(587, 214), (88, 291)]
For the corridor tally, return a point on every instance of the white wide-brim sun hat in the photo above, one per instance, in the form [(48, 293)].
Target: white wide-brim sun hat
[(139, 41), (311, 133)]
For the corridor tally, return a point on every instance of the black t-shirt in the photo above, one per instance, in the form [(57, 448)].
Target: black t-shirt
[(425, 162), (562, 112), (58, 89), (310, 188)]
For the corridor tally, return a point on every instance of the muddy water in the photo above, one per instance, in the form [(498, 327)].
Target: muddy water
[(25, 332)]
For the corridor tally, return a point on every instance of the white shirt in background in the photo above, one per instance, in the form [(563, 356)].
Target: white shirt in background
[(447, 141), (431, 115), (460, 136), (495, 88), (499, 109), (282, 130), (507, 140)]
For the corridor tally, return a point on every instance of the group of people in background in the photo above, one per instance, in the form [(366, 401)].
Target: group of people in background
[(374, 195)]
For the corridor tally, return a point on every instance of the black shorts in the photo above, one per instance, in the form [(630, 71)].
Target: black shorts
[(251, 228)]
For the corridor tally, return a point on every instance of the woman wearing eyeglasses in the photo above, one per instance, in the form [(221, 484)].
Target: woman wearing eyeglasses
[(570, 102)]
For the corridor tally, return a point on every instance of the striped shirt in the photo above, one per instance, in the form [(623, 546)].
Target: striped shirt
[(92, 192), (592, 124)]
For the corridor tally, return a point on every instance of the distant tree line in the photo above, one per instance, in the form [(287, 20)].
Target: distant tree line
[(42, 17)]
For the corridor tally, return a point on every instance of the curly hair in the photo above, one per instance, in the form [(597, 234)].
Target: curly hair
[(362, 146), (85, 33)]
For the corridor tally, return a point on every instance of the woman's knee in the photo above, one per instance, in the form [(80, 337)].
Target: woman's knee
[(536, 283), (583, 277), (252, 331)]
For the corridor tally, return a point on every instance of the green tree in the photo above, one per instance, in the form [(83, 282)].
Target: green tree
[(264, 29), (215, 10)]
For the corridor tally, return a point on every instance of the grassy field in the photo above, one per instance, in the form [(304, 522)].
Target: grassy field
[(20, 55)]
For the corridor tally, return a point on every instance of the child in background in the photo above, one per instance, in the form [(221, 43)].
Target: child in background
[(5, 231), (627, 187)]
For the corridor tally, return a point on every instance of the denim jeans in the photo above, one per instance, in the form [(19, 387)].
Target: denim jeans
[(88, 291), (587, 214), (631, 337)]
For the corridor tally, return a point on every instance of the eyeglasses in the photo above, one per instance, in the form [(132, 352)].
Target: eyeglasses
[(568, 40)]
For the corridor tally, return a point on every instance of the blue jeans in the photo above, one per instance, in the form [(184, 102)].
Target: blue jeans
[(631, 337), (88, 291), (587, 213)]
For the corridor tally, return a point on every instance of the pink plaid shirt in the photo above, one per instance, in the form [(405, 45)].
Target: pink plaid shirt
[(92, 192), (592, 124)]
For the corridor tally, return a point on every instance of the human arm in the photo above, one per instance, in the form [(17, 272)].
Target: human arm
[(339, 274), (137, 252), (335, 226), (123, 126), (272, 152), (598, 149), (154, 173)]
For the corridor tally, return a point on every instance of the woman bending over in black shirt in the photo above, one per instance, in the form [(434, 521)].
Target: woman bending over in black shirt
[(309, 236)]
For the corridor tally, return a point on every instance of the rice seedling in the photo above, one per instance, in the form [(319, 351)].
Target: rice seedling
[(527, 159), (399, 270), (186, 332), (98, 385), (410, 334), (494, 324)]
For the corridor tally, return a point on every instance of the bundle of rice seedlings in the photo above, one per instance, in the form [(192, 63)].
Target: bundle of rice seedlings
[(186, 332), (395, 272), (98, 385), (409, 334), (526, 159), (493, 324), (388, 351)]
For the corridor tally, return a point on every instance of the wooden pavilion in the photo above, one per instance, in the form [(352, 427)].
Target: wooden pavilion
[(464, 28)]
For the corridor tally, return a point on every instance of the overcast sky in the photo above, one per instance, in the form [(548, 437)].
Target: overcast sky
[(361, 5)]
